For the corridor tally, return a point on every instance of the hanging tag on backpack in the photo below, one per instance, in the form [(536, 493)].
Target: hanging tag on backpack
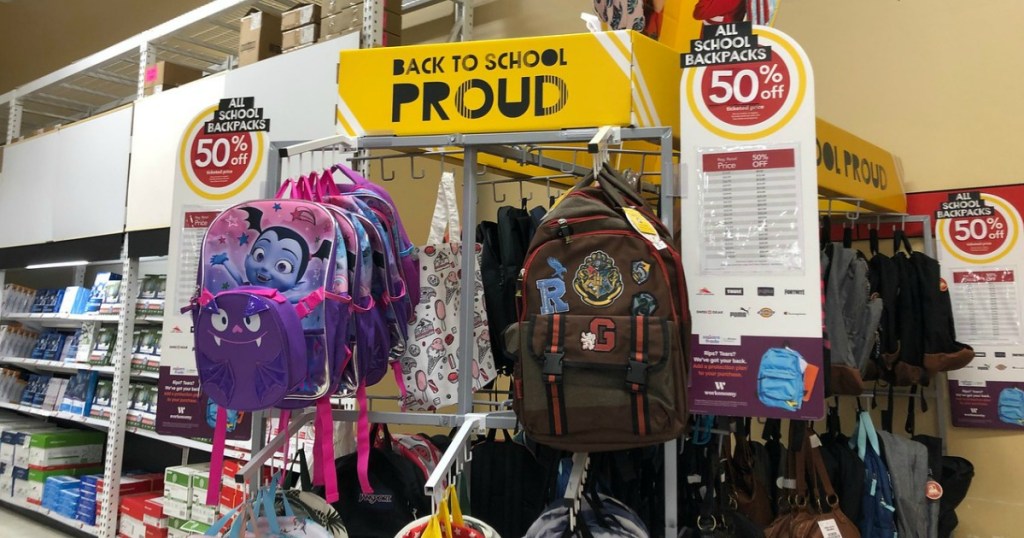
[(933, 490), (829, 529), (644, 227)]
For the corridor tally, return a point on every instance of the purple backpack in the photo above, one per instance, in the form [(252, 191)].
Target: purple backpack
[(268, 271)]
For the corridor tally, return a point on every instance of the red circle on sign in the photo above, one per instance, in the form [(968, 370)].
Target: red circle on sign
[(220, 160), (979, 236), (746, 94)]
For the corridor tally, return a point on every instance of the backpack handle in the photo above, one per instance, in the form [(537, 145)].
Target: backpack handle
[(900, 237), (873, 240)]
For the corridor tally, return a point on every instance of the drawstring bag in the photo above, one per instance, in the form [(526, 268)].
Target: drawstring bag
[(449, 523)]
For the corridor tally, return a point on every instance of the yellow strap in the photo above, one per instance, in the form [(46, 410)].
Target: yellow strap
[(433, 529), (453, 499), (444, 518)]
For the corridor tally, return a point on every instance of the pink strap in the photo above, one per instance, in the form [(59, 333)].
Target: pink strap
[(282, 427), (313, 185), (325, 440), (363, 441), (217, 457), (205, 297), (397, 369), (356, 178), (309, 303), (326, 186), (286, 185), (269, 293)]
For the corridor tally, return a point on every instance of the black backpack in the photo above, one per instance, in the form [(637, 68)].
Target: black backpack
[(941, 352), (884, 279), (397, 499), (504, 245), (508, 485), (845, 469)]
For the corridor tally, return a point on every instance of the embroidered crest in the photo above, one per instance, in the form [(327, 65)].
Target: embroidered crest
[(644, 304), (598, 282), (587, 341), (641, 271)]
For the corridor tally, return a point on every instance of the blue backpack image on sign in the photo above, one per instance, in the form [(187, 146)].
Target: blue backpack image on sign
[(1011, 406), (780, 379)]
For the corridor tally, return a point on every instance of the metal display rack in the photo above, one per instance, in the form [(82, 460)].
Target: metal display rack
[(513, 146)]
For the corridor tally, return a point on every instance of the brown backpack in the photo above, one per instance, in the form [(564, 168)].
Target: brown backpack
[(604, 325)]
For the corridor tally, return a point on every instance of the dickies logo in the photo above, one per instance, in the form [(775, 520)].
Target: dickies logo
[(734, 291), (765, 292), (766, 312)]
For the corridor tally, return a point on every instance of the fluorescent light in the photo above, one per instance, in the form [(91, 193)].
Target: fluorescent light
[(56, 264)]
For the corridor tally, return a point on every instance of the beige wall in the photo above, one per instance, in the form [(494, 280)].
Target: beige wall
[(937, 83)]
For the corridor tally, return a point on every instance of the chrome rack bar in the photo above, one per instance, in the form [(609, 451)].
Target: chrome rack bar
[(455, 458), (322, 143)]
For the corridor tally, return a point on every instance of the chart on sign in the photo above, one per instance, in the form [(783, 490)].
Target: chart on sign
[(985, 306), (749, 207)]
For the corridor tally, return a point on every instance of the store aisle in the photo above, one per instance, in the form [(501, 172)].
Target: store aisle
[(13, 524)]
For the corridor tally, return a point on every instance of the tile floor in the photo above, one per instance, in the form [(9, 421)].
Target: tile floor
[(14, 524)]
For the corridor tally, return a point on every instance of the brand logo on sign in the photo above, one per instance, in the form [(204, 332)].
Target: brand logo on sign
[(710, 312), (742, 313), (704, 291), (734, 291), (974, 410), (766, 312), (766, 292), (794, 292), (787, 313), (719, 385)]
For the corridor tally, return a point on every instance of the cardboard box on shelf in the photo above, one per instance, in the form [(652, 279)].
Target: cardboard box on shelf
[(351, 20), (300, 15), (299, 37), (259, 37), (330, 7), (387, 40), (166, 75), (178, 482)]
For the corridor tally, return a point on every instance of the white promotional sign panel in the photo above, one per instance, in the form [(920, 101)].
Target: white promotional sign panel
[(220, 158), (978, 236), (750, 198)]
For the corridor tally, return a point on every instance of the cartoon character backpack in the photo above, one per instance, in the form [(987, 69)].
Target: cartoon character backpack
[(264, 329), (604, 324)]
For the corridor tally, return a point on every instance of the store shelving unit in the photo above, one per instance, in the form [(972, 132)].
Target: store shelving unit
[(205, 38)]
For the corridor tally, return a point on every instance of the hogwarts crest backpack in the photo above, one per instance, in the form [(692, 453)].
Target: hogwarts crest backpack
[(604, 324)]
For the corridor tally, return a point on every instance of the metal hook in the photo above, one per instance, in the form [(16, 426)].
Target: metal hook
[(572, 167), (412, 169), (494, 188), (384, 177), (482, 170)]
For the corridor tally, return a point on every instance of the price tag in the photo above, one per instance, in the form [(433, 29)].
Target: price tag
[(815, 442), (644, 227), (829, 529)]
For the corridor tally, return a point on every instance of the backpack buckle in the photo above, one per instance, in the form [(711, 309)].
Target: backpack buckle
[(636, 375), (553, 365)]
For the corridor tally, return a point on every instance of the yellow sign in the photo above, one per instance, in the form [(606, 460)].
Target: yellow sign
[(851, 167), (543, 83)]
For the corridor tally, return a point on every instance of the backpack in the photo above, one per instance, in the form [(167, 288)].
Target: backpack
[(907, 462), (940, 351), (397, 492), (877, 519), (508, 485), (852, 314), (600, 516), (603, 325), (504, 249), (1011, 406), (884, 280), (266, 312), (780, 379)]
